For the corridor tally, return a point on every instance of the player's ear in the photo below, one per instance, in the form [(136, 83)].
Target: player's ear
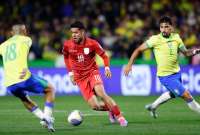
[(172, 28), (83, 32), (12, 32)]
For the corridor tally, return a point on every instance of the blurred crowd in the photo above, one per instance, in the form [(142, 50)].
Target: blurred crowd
[(119, 25)]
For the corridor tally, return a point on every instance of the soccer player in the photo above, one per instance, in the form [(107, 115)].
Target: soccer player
[(19, 79), (79, 56), (166, 47)]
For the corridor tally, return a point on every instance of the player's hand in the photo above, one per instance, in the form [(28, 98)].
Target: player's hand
[(71, 75), (197, 50), (127, 69), (23, 73), (108, 73), (72, 79)]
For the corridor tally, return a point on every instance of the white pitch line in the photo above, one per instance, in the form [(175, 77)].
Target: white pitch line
[(85, 113)]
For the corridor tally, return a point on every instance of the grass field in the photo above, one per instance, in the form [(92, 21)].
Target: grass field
[(174, 118)]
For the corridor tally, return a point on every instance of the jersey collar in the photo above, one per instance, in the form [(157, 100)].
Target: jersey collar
[(170, 37)]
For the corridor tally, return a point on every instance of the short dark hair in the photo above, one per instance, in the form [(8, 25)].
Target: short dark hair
[(77, 24), (165, 19)]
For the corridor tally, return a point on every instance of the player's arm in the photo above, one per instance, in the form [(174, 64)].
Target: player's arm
[(100, 51), (68, 64), (134, 55), (66, 58), (189, 52)]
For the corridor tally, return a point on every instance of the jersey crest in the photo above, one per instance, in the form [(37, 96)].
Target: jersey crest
[(86, 51)]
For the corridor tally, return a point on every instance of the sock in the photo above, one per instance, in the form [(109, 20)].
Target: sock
[(37, 112), (48, 109), (116, 111), (193, 105), (162, 99)]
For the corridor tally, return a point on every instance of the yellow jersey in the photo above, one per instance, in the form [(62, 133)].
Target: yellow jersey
[(14, 52), (166, 52)]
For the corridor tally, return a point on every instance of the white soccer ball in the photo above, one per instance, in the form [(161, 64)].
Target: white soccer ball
[(75, 118)]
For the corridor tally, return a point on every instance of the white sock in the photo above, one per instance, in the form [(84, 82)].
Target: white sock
[(38, 113), (48, 111), (194, 106), (163, 98)]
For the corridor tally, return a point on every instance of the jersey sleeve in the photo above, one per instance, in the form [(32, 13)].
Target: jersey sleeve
[(27, 41), (100, 51), (151, 42), (180, 42), (66, 57)]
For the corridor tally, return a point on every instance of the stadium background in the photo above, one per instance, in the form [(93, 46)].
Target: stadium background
[(120, 26)]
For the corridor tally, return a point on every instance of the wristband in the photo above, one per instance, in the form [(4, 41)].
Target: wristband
[(70, 73), (194, 52), (107, 68)]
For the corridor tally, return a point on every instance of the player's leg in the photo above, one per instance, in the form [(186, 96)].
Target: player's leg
[(100, 92), (96, 84), (166, 96), (111, 115), (192, 104), (89, 95), (32, 107), (28, 103), (180, 91), (49, 100), (39, 85), (96, 105), (175, 88), (48, 120)]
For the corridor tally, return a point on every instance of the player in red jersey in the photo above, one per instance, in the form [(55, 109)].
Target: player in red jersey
[(79, 55)]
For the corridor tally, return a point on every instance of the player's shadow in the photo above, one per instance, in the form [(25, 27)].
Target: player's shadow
[(129, 123), (69, 129)]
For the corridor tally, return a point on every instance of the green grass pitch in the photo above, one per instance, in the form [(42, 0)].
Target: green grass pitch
[(174, 118)]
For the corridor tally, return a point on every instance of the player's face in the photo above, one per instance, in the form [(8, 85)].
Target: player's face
[(165, 29), (77, 35)]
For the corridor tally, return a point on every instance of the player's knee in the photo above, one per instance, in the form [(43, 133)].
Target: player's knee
[(49, 89), (187, 96)]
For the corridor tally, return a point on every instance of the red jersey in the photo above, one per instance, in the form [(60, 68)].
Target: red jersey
[(80, 58)]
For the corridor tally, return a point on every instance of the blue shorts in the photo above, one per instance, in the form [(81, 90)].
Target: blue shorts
[(34, 84), (173, 83)]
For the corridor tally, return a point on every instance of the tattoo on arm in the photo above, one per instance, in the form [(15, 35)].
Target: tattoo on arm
[(187, 52)]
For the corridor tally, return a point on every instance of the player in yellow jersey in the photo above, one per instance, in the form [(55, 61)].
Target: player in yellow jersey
[(166, 46), (18, 78)]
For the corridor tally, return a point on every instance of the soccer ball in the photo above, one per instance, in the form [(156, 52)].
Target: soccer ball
[(75, 118)]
